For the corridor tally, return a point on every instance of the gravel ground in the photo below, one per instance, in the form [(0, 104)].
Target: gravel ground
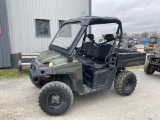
[(18, 100)]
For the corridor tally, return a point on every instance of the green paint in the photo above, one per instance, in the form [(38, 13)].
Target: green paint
[(60, 63)]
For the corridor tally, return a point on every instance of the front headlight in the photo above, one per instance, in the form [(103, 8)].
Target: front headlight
[(50, 64)]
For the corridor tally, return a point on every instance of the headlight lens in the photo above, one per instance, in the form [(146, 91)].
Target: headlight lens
[(50, 64)]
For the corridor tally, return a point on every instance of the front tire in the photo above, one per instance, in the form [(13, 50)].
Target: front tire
[(148, 69), (125, 83), (55, 98)]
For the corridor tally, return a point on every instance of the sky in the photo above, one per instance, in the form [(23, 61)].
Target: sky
[(137, 16)]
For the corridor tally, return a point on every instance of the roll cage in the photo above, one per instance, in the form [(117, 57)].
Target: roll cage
[(85, 22)]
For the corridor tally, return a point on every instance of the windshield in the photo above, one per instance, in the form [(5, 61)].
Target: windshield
[(66, 35), (153, 41)]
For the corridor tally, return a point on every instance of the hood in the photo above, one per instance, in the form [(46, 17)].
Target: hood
[(51, 56)]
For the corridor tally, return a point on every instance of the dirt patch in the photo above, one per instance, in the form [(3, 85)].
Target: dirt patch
[(7, 114)]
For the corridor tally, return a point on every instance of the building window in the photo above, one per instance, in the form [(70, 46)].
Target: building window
[(42, 28), (66, 31)]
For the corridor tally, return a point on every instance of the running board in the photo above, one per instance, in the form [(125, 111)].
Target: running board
[(87, 90)]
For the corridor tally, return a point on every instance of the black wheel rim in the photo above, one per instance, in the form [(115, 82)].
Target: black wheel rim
[(55, 100), (128, 84)]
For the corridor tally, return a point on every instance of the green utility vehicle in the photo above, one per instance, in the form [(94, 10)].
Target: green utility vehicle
[(91, 67), (153, 63)]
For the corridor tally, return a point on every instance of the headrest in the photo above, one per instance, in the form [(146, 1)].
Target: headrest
[(90, 36), (109, 37)]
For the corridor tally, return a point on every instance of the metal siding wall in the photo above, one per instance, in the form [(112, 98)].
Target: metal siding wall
[(22, 15), (5, 58)]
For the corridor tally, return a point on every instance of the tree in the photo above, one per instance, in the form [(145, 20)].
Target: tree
[(135, 35), (145, 35), (125, 34), (154, 34)]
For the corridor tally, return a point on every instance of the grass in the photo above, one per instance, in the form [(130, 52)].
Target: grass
[(6, 74), (135, 67)]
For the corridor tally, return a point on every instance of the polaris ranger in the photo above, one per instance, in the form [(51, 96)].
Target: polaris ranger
[(65, 67)]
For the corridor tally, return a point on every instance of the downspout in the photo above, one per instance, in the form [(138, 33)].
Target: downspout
[(90, 13)]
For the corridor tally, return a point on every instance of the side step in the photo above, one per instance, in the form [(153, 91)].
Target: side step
[(87, 89)]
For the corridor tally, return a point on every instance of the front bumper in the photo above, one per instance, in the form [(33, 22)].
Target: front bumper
[(154, 60), (38, 70), (155, 66), (155, 63)]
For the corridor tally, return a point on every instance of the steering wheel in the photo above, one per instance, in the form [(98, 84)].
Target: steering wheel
[(80, 50)]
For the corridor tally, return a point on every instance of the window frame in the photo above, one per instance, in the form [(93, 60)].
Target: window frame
[(69, 51), (60, 21), (70, 33), (42, 35)]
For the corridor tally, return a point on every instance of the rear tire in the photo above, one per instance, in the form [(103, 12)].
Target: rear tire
[(55, 98), (125, 83), (148, 69)]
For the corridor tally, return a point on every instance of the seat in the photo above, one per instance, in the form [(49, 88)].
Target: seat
[(88, 45), (97, 53), (91, 37), (101, 51)]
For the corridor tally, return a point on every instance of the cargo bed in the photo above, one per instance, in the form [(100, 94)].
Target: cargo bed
[(127, 59)]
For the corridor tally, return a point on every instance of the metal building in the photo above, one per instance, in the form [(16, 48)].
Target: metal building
[(29, 25)]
